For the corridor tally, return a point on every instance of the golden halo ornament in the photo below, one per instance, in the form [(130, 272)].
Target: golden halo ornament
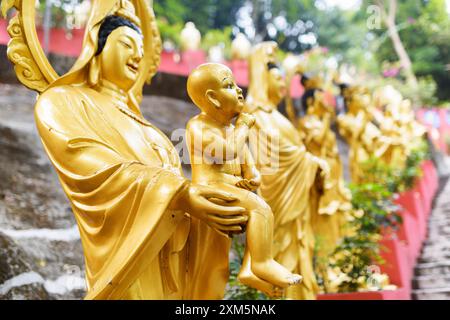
[(34, 70)]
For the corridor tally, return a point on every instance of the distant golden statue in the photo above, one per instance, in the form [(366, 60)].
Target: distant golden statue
[(360, 128), (329, 222), (220, 158), (121, 174), (335, 204), (291, 184), (398, 120)]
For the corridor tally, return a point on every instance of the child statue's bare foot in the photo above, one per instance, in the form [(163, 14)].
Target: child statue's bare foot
[(250, 280), (275, 273)]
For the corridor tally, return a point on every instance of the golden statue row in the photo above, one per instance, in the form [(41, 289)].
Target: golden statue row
[(150, 233)]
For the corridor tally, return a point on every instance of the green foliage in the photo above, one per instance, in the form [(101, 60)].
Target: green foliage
[(218, 37), (358, 252), (354, 256), (424, 28), (170, 31), (412, 168), (206, 14), (397, 180), (380, 213)]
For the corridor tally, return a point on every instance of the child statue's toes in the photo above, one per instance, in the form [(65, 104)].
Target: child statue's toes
[(295, 279)]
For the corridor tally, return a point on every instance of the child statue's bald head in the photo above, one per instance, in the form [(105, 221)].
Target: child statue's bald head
[(212, 85)]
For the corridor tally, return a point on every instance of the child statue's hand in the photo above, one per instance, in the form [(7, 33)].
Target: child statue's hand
[(250, 185), (245, 119)]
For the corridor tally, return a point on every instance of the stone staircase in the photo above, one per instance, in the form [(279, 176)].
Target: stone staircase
[(432, 273)]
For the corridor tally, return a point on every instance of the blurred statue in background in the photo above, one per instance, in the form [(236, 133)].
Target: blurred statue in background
[(292, 179), (121, 174), (190, 37), (220, 158), (329, 221), (361, 129), (335, 208), (398, 119)]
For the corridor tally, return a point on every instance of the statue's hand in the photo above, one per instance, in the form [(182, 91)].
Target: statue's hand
[(212, 206), (245, 119), (250, 185), (323, 174)]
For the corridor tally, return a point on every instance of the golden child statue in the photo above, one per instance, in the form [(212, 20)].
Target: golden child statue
[(220, 159), (121, 174), (290, 186)]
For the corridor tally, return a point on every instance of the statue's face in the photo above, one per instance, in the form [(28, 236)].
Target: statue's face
[(229, 94), (121, 56), (319, 104), (277, 87)]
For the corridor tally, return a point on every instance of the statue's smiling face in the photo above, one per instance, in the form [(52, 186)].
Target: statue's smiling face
[(121, 57)]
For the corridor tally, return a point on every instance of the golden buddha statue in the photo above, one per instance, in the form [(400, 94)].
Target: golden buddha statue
[(359, 127), (121, 174), (291, 184), (399, 121), (335, 208), (220, 158)]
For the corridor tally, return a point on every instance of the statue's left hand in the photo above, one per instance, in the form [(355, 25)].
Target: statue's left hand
[(212, 206)]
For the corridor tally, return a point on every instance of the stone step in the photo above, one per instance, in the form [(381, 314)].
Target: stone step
[(433, 268), (432, 294), (431, 282)]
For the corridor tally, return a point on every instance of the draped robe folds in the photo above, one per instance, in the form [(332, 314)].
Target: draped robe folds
[(329, 221), (120, 177), (288, 187)]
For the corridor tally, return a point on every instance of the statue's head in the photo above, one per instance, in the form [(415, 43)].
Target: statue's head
[(357, 98), (313, 101), (276, 84), (119, 51), (212, 87)]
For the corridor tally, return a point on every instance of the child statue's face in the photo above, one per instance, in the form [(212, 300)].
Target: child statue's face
[(228, 94), (121, 57)]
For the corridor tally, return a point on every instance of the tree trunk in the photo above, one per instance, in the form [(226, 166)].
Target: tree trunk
[(403, 56)]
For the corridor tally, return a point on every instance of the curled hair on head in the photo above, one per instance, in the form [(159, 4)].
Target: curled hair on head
[(342, 88), (304, 79), (308, 94), (110, 24)]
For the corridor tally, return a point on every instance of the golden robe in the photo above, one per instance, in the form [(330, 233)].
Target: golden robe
[(288, 176), (329, 220), (290, 192), (120, 177)]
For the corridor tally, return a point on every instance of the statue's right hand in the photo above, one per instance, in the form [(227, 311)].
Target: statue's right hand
[(245, 119), (214, 207)]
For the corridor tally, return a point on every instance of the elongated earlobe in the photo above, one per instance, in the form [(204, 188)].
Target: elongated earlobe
[(94, 72), (210, 95)]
